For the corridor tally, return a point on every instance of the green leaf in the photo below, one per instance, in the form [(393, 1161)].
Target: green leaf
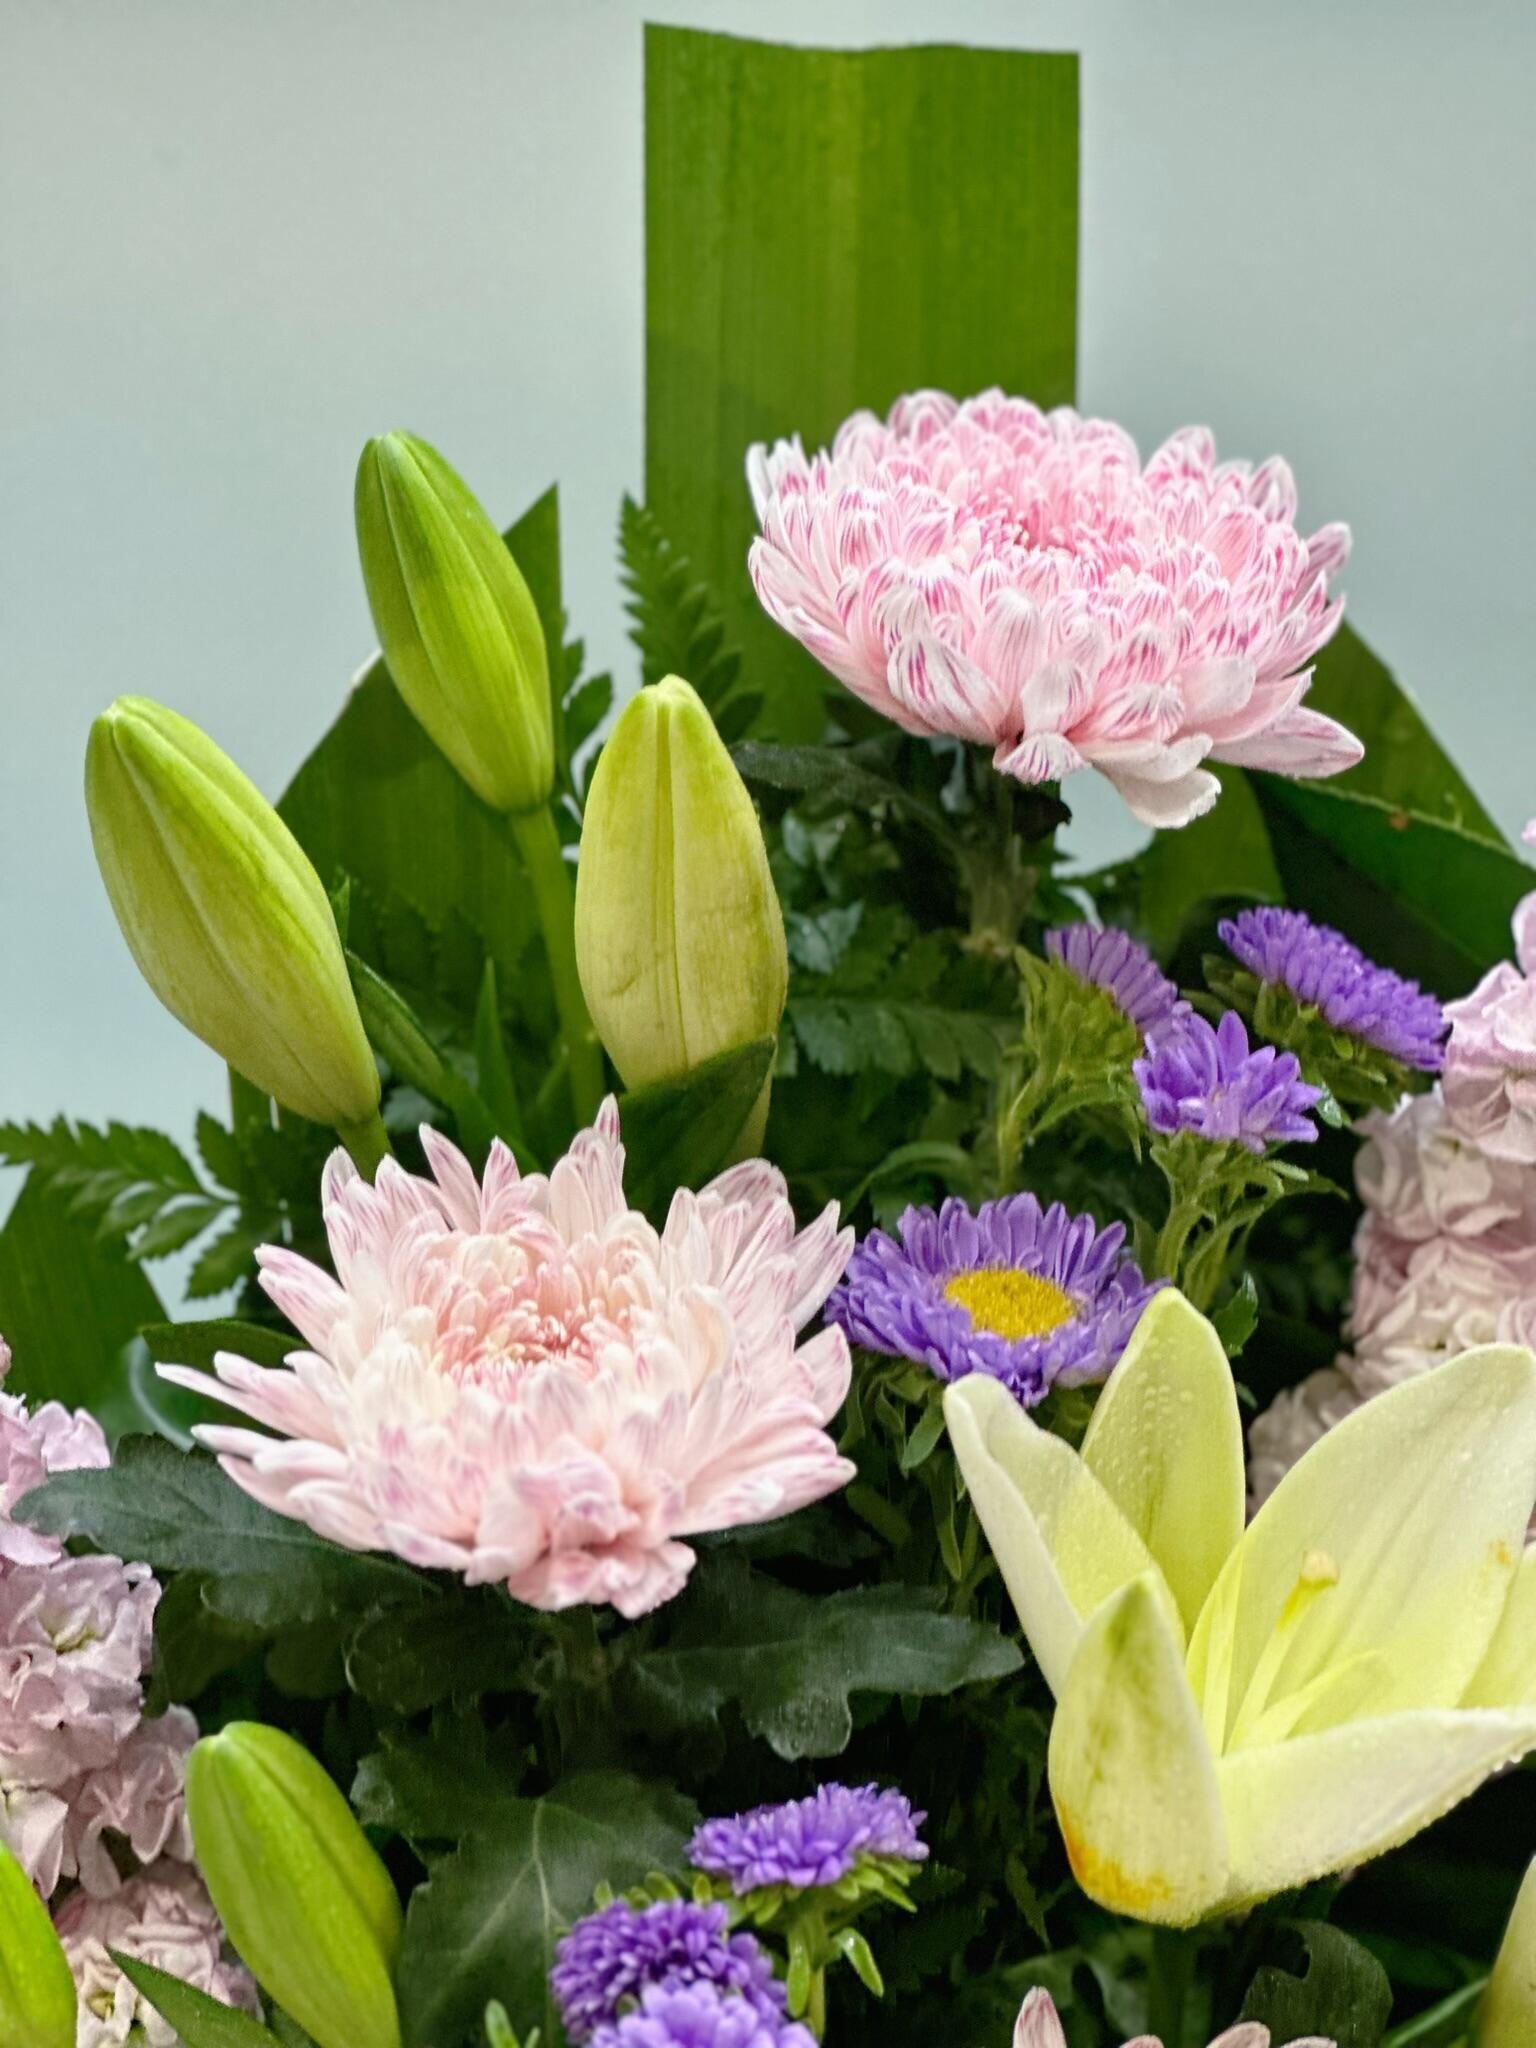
[(677, 1133), (171, 1411), (445, 1784), (793, 1662), (69, 1307), (676, 623), (200, 2021), (485, 1923), (778, 184), (135, 1184), (1404, 763), (1447, 2023), (1238, 1317), (1422, 897), (176, 1511), (1344, 1994), (464, 1644)]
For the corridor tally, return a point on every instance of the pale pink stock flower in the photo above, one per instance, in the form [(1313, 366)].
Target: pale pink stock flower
[(1490, 1057), (165, 1918), (53, 1439), (1039, 2026), (525, 1382), (1416, 1306), (1421, 1177), (139, 1796), (998, 574)]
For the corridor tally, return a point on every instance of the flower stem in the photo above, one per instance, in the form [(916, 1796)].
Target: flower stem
[(554, 901), (1168, 1981), (368, 1144)]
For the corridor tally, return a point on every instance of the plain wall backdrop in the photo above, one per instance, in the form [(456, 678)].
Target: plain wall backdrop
[(237, 239)]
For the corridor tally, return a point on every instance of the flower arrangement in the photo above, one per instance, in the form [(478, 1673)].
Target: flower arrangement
[(823, 1423)]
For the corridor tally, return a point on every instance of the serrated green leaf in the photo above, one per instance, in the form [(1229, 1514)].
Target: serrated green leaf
[(227, 1260), (200, 2021), (1343, 1994), (462, 1645), (438, 1786), (175, 1511), (677, 1133), (173, 1229), (793, 1663), (485, 1923), (778, 182), (676, 623)]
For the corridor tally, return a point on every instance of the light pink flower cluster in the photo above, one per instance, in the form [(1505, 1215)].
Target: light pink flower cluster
[(78, 1761), (163, 1917), (1445, 1255), (999, 574), (1039, 2026), (523, 1381)]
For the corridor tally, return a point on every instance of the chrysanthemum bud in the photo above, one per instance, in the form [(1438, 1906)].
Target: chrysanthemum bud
[(37, 1991), (308, 1904), (224, 913), (458, 625), (679, 936)]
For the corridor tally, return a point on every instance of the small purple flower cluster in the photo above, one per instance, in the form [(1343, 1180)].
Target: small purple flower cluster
[(613, 1955), (809, 1842), (1204, 1078), (1113, 961), (1330, 974)]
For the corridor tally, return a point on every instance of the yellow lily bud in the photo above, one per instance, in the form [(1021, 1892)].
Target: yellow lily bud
[(224, 913), (679, 936), (457, 623), (37, 1992), (307, 1902), (1507, 2018)]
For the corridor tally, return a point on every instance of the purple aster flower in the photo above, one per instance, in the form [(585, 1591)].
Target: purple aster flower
[(1204, 1079), (1328, 972), (613, 1955), (1038, 1298), (1113, 961), (809, 1842), (700, 2016)]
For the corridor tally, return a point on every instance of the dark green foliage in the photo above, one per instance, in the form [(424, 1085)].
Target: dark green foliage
[(676, 623)]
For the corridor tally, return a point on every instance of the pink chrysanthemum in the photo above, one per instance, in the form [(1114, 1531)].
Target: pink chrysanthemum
[(1004, 575), (522, 1380)]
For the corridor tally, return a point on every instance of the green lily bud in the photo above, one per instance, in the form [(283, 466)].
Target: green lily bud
[(308, 1904), (37, 1991), (457, 623), (679, 936), (1507, 2018), (225, 914)]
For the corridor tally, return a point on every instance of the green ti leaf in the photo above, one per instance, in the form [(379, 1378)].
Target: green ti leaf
[(777, 183), (793, 1663), (676, 623)]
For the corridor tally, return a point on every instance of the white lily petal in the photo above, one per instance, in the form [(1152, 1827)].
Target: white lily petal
[(1298, 1810), (1374, 1576), (1507, 2018), (1061, 1543), (1166, 1444), (1507, 1675), (1131, 1773)]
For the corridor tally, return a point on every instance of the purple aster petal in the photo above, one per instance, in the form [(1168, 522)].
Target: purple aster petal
[(700, 2016), (1323, 969), (892, 1297), (1206, 1080), (613, 1955), (807, 1842), (1113, 961)]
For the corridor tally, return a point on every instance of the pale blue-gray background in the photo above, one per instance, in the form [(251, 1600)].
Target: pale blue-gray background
[(237, 239)]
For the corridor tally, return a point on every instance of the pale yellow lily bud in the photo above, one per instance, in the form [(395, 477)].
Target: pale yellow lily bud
[(679, 935), (224, 913), (458, 625), (307, 1902), (1507, 2018)]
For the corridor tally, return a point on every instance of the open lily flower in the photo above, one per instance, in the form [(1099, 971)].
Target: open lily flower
[(1241, 1711)]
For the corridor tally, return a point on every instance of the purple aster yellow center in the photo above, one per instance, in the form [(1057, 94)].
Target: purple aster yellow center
[(1010, 1302)]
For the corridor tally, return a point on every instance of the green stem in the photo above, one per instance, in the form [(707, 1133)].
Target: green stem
[(816, 2010), (554, 900), (1168, 1981), (368, 1143), (1173, 1237)]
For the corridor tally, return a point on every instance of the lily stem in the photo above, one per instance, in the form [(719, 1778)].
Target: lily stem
[(368, 1143), (1171, 1969), (554, 901)]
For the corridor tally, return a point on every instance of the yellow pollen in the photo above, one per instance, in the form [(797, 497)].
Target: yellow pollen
[(1011, 1303)]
